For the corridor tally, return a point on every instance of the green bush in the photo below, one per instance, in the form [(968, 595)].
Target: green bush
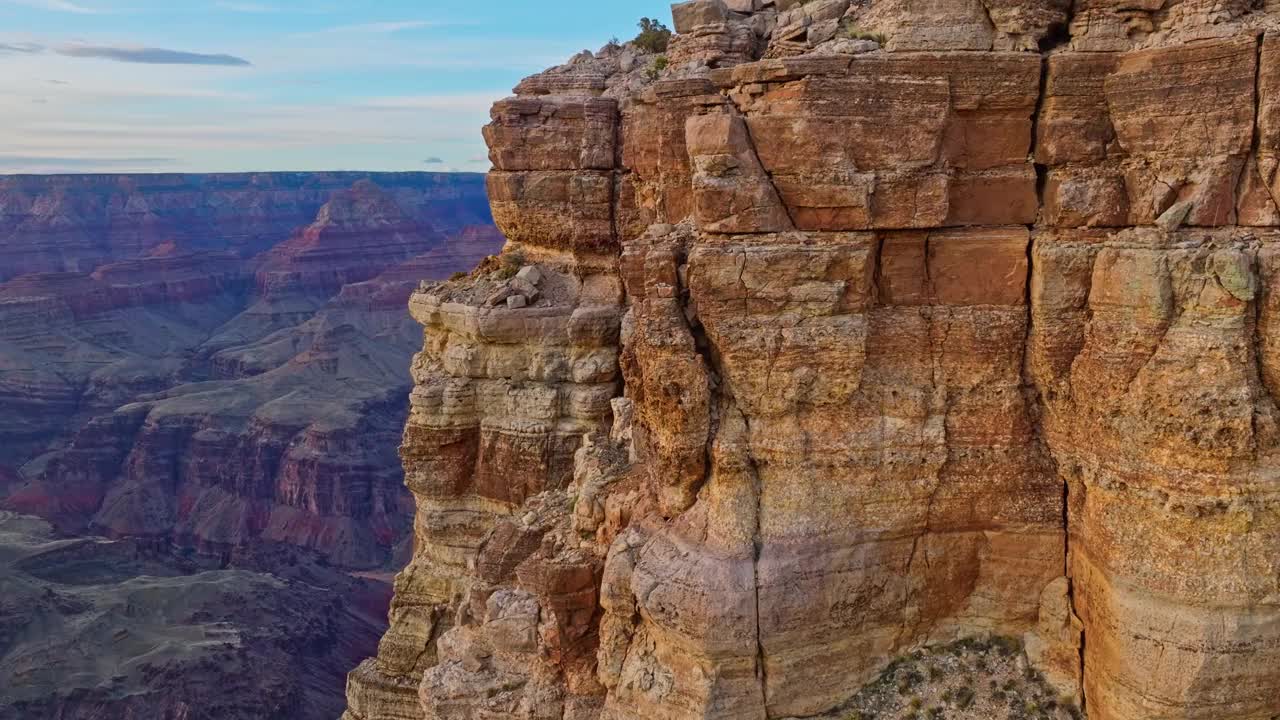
[(659, 64), (853, 32), (909, 681), (653, 37), (1008, 646), (511, 264)]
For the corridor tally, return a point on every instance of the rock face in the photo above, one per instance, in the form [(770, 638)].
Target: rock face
[(219, 361), (859, 327)]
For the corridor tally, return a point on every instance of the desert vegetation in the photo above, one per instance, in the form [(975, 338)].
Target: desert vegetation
[(972, 679)]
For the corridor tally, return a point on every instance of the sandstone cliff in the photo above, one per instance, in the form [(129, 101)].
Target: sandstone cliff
[(847, 329)]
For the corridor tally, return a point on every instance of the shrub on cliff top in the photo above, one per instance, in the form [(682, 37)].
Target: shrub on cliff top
[(853, 32), (510, 264), (653, 37)]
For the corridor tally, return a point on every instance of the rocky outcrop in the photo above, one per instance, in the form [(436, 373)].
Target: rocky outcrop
[(219, 399), (934, 320)]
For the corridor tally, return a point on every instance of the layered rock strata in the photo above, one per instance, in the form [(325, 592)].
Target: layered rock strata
[(205, 394), (858, 327), (75, 223)]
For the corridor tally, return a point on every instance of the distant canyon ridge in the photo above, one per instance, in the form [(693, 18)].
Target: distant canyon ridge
[(204, 379), (221, 360)]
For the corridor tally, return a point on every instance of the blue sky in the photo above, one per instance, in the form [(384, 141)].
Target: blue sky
[(231, 85)]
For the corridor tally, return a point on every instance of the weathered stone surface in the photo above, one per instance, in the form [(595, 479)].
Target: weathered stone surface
[(688, 15), (731, 191), (1143, 345), (1126, 136), (962, 334), (873, 141)]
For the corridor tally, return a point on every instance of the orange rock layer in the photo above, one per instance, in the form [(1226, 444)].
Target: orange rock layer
[(839, 346)]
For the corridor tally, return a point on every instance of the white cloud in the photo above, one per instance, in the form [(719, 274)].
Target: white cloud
[(54, 164), (164, 115), (473, 102), (246, 7), (376, 28), (149, 55), (55, 5), (299, 108)]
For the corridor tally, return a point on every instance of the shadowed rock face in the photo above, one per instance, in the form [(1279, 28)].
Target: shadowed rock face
[(860, 327), (217, 361)]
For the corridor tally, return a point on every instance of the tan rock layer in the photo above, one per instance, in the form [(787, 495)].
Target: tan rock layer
[(912, 345)]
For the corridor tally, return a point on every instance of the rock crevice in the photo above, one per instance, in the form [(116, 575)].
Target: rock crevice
[(910, 322)]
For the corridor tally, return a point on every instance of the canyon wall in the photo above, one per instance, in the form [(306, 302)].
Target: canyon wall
[(845, 328), (218, 362)]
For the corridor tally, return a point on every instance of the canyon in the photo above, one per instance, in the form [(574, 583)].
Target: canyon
[(204, 381), (220, 360), (845, 330)]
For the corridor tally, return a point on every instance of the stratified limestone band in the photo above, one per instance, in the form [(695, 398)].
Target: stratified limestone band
[(858, 327)]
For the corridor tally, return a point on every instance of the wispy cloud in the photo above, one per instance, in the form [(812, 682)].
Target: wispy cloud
[(376, 28), (55, 5), (246, 7), (150, 56), (24, 48), (63, 164), (433, 161), (474, 102)]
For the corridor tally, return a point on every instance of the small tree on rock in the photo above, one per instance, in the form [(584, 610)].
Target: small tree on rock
[(653, 36)]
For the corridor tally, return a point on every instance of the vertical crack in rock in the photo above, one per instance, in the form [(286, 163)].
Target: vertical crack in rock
[(880, 393), (1253, 160), (703, 347), (1042, 170), (751, 146), (1031, 390), (762, 668)]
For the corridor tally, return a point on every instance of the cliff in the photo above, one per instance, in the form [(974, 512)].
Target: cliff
[(218, 361), (850, 329)]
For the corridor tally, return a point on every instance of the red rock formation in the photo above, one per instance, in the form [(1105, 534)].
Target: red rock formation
[(73, 223), (355, 236), (220, 401), (935, 320)]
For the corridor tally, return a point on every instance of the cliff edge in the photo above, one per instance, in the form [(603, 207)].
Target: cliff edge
[(846, 329)]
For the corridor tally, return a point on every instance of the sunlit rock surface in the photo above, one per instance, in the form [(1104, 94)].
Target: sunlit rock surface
[(855, 328)]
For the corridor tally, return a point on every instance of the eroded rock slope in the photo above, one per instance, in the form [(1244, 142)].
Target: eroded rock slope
[(849, 328), (97, 628)]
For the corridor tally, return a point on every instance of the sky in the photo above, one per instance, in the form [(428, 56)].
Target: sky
[(122, 86)]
